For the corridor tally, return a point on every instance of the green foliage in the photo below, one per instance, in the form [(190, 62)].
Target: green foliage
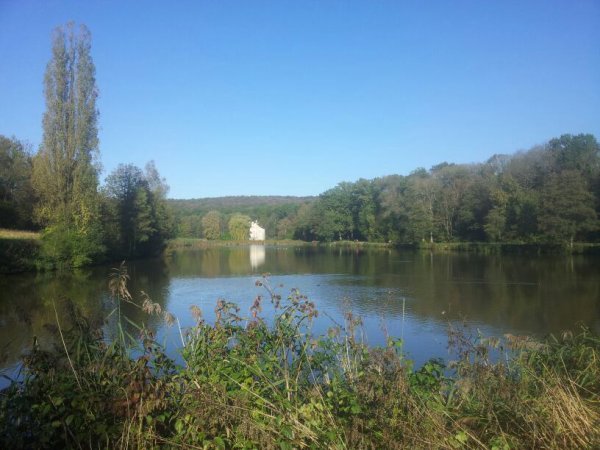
[(190, 227), (567, 207), (65, 170), (137, 218), (212, 225), (18, 255), (63, 247), (269, 211), (576, 153), (16, 192), (244, 382), (239, 227), (516, 199), (507, 199)]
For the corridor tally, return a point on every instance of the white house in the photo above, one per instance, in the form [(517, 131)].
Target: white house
[(257, 233)]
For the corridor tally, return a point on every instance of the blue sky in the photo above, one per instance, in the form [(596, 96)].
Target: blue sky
[(290, 98)]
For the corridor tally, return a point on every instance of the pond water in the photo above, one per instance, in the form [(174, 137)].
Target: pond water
[(408, 294)]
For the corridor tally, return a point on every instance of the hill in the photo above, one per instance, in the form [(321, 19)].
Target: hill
[(273, 212), (231, 204)]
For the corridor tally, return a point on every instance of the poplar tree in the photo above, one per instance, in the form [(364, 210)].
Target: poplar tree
[(65, 172)]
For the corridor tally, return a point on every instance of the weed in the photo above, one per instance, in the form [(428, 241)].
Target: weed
[(245, 382)]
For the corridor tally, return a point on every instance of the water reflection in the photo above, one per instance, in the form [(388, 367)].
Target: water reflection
[(257, 256), (410, 293)]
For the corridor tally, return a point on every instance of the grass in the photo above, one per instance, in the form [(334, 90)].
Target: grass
[(489, 248), (192, 243), (497, 248), (246, 383), (358, 244), (18, 234), (183, 243)]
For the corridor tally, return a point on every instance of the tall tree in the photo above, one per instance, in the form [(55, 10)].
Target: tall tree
[(239, 227), (567, 207), (495, 221), (391, 216), (211, 224), (580, 153), (422, 193), (190, 226), (65, 171), (335, 211), (140, 223)]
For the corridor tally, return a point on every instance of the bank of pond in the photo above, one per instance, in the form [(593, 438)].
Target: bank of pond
[(22, 252), (339, 347), (242, 380)]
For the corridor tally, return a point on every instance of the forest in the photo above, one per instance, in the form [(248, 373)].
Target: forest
[(549, 194)]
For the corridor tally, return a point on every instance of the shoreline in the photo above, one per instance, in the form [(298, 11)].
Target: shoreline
[(20, 252)]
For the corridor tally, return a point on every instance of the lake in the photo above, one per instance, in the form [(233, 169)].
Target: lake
[(415, 295)]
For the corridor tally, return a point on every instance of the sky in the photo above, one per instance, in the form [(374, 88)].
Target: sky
[(293, 97)]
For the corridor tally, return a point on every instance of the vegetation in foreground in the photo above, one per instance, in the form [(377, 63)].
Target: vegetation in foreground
[(246, 383)]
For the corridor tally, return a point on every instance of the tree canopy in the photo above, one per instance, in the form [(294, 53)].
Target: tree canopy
[(65, 170), (16, 192)]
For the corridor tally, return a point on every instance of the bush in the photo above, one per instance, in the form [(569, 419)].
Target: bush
[(18, 255), (63, 247), (246, 383)]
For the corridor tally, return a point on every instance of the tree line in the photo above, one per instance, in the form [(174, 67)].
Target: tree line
[(57, 189), (548, 194), (215, 218)]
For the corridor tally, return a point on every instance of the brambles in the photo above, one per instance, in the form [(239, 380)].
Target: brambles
[(245, 382)]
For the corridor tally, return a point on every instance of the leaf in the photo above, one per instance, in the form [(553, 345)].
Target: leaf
[(461, 437)]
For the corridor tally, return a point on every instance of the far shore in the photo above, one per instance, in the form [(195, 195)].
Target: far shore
[(19, 250)]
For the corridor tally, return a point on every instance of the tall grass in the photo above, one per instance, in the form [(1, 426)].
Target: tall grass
[(196, 243), (18, 234), (249, 383)]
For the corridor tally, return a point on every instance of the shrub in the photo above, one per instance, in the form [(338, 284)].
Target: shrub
[(249, 383)]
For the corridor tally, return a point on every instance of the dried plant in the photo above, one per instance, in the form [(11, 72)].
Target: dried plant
[(117, 282), (148, 306)]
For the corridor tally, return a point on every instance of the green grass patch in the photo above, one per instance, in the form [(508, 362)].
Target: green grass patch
[(18, 234), (497, 248), (191, 243), (357, 244)]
